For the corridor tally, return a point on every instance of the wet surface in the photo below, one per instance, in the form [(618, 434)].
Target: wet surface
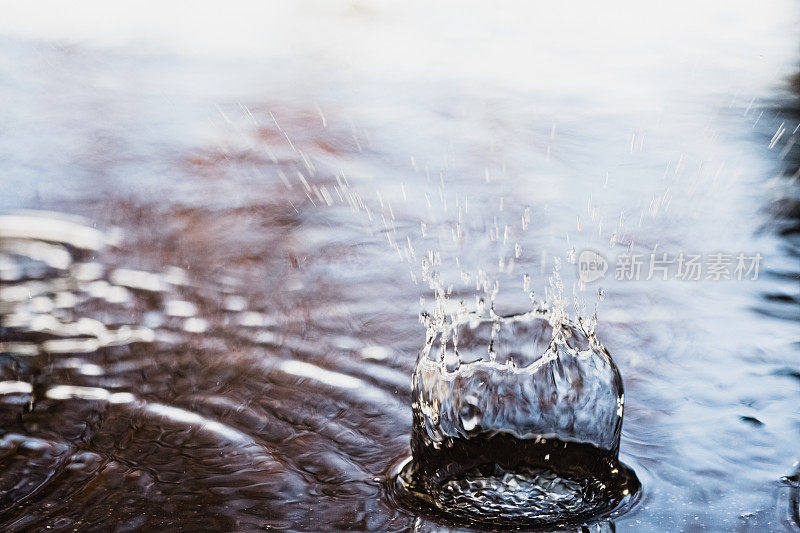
[(225, 338)]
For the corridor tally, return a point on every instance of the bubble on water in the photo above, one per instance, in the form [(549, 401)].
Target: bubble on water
[(517, 421), (470, 412)]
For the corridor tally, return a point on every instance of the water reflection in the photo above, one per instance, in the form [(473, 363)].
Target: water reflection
[(195, 430)]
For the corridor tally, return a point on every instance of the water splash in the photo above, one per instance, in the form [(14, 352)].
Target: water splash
[(517, 421)]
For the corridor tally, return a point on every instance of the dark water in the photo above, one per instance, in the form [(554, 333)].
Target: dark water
[(225, 339), (497, 481)]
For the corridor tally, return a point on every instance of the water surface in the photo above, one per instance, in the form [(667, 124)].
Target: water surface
[(225, 339)]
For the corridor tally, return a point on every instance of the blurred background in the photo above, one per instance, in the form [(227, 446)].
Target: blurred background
[(224, 338)]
